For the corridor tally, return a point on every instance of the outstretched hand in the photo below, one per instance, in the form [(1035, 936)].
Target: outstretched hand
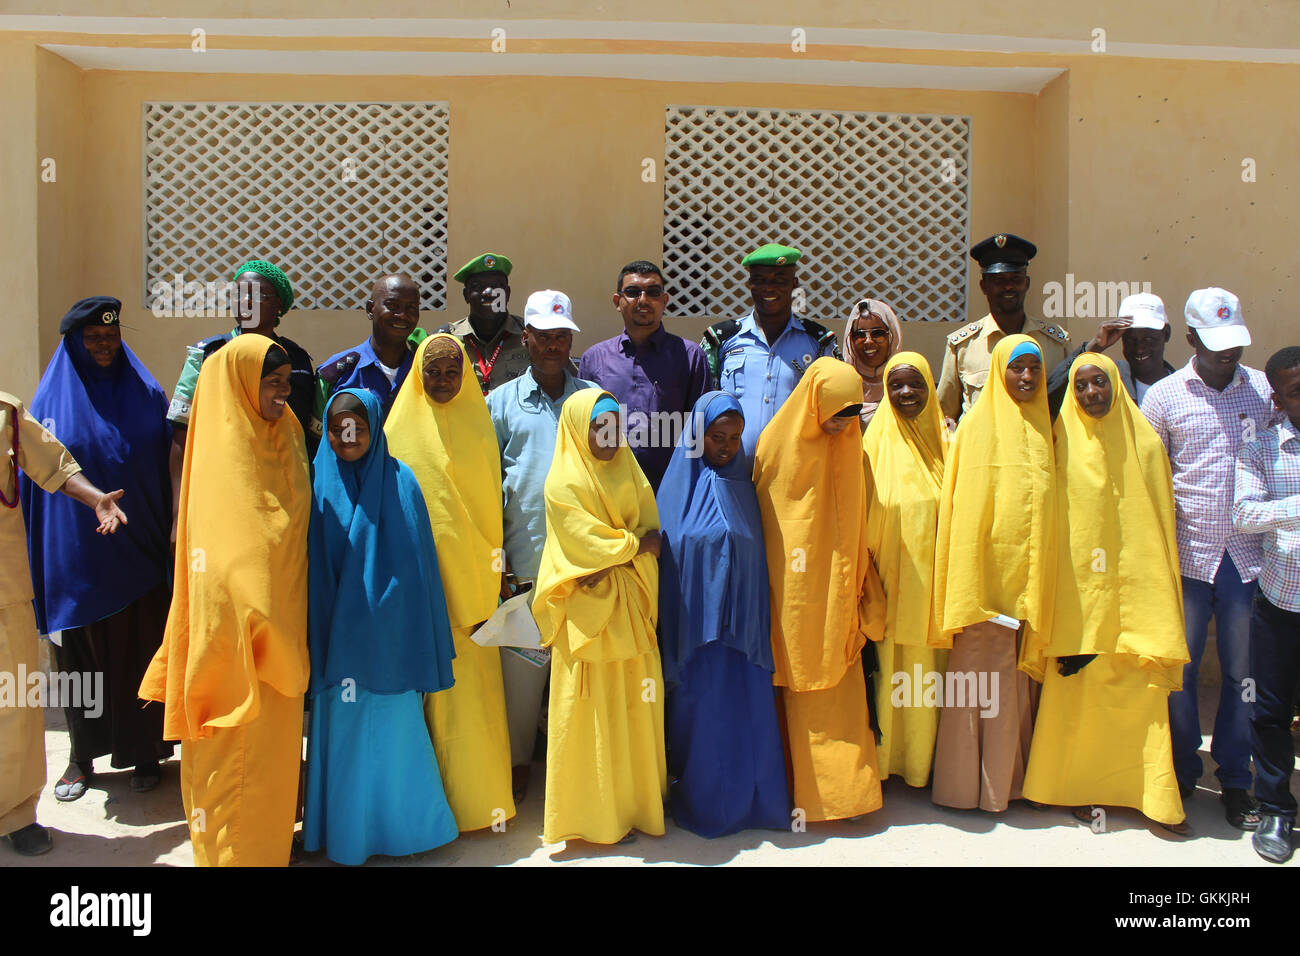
[(109, 514)]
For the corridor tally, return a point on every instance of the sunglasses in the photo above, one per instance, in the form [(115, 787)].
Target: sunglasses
[(634, 293)]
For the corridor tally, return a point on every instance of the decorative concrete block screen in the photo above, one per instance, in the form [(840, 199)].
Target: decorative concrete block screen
[(332, 193), (879, 204)]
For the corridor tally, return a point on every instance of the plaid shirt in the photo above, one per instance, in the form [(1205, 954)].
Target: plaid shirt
[(1268, 502), (1202, 430)]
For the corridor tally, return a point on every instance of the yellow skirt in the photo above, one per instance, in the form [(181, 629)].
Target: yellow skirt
[(240, 786), (1102, 738), (907, 732), (470, 737), (831, 749), (22, 728), (606, 771)]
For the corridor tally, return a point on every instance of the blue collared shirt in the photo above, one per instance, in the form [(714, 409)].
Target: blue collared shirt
[(763, 376), (526, 420), (366, 373)]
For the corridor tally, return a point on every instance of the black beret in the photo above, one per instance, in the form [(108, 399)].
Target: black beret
[(97, 310), (1003, 253)]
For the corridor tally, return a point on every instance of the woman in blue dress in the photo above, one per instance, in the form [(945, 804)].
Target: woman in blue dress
[(379, 639), (724, 741)]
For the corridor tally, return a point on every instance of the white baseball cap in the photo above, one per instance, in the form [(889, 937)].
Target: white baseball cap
[(1215, 314), (1146, 310), (549, 309)]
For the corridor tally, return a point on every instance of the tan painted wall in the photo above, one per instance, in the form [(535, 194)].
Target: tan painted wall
[(544, 170), (1210, 22), (19, 180), (1156, 187), (1104, 170), (62, 238)]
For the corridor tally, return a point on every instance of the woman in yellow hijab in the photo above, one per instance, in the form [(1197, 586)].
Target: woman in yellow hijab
[(905, 444), (597, 605), (809, 471), (1117, 646), (995, 560), (232, 668), (439, 425)]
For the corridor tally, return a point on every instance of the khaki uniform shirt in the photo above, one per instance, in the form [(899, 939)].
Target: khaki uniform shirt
[(968, 352), (512, 361), (45, 462)]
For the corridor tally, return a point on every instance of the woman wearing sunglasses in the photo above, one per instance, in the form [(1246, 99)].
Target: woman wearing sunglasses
[(872, 336)]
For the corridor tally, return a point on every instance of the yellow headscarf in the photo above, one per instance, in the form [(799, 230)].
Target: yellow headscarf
[(452, 449), (997, 541), (596, 513), (904, 481), (239, 602), (826, 596), (1118, 588)]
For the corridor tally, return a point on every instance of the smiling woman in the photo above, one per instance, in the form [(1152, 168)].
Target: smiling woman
[(108, 595)]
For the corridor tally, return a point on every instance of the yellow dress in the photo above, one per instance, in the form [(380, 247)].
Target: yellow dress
[(826, 597), (995, 553), (1102, 735), (232, 668), (904, 479), (452, 450), (606, 772)]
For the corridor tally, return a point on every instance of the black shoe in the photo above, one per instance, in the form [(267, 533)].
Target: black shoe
[(1240, 809), (1272, 840), (31, 840), (146, 777), (1187, 791)]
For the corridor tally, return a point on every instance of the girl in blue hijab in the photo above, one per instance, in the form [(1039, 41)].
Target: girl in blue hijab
[(379, 639), (724, 741), (108, 594)]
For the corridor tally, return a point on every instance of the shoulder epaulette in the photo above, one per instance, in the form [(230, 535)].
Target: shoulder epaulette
[(719, 332), (820, 334), (961, 335), (212, 343), (334, 372), (1056, 332)]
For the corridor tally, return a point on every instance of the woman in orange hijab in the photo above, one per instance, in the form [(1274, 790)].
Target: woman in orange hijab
[(232, 668), (827, 601)]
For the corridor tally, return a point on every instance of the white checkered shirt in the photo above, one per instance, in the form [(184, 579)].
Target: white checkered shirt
[(1202, 430), (1267, 502)]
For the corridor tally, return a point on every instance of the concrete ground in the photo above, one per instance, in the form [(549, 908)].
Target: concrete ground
[(111, 826)]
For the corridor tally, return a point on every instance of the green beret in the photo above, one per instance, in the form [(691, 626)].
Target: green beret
[(272, 274), (772, 254), (488, 262)]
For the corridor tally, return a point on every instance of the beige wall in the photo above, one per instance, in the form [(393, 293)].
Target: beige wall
[(19, 181), (1156, 191), (1122, 169), (547, 171)]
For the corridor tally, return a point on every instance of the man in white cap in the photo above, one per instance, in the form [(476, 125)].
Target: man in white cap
[(1144, 341), (1204, 412), (526, 416)]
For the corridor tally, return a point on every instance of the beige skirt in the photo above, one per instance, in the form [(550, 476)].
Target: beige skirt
[(981, 750)]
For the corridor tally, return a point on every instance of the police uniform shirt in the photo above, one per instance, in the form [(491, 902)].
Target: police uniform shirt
[(968, 351), (762, 376)]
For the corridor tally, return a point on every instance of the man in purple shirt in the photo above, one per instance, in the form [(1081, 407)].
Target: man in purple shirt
[(655, 375)]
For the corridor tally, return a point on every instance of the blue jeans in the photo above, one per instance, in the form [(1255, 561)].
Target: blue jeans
[(1275, 663), (1228, 601)]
